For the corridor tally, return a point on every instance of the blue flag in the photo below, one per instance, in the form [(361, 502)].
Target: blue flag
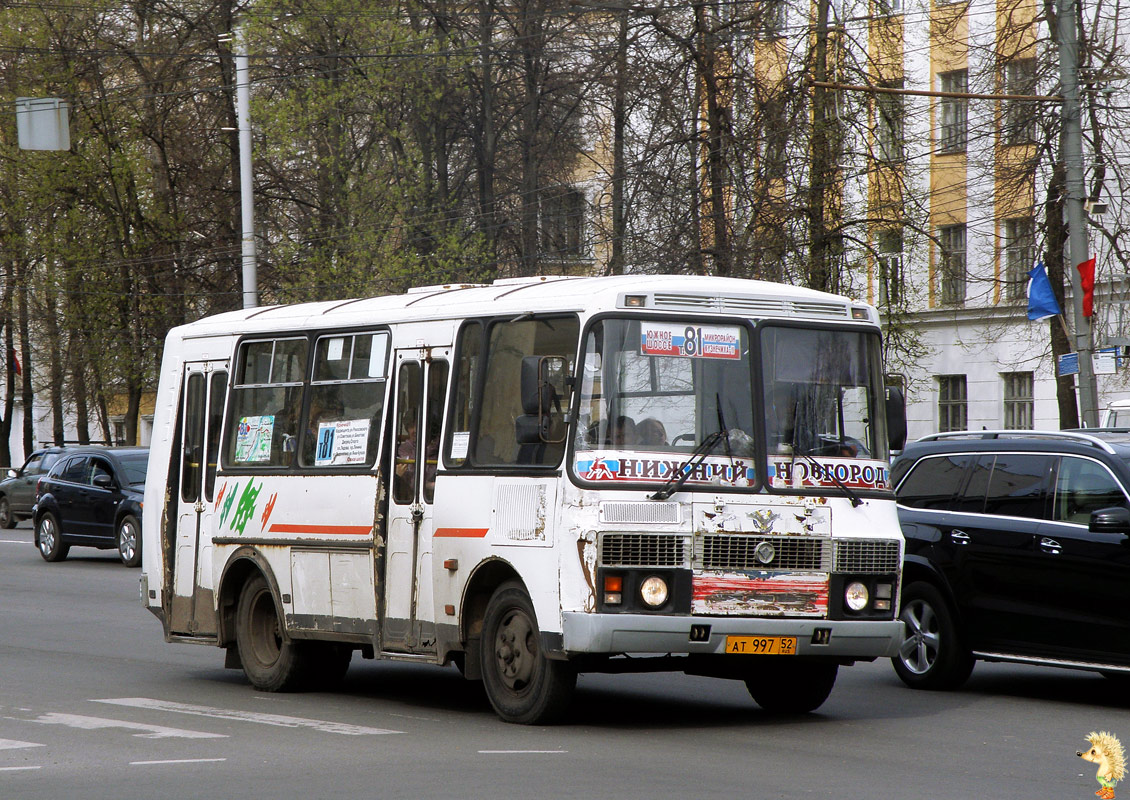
[(1041, 300)]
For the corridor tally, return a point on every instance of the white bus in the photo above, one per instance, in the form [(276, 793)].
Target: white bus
[(531, 479)]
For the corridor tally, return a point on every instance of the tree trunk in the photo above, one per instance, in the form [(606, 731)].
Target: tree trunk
[(1054, 261)]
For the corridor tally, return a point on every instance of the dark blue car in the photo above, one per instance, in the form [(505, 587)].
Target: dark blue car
[(92, 498)]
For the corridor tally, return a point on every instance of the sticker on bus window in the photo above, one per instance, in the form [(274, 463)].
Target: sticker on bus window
[(253, 439), (459, 442), (690, 341), (343, 442)]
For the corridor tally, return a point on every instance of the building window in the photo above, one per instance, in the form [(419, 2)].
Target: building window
[(1018, 403), (890, 267), (773, 19), (889, 119), (1020, 115), (562, 222), (1019, 255), (952, 265), (774, 137), (954, 111), (885, 8), (953, 408)]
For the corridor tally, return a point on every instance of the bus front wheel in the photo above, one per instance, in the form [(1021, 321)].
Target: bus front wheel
[(522, 684), (271, 661), (792, 688)]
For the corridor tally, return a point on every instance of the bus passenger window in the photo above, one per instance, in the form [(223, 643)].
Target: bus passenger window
[(468, 360), (266, 403), (347, 397), (407, 430)]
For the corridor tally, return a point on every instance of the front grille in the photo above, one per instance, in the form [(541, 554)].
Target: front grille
[(731, 552), (642, 550), (867, 556), (750, 305)]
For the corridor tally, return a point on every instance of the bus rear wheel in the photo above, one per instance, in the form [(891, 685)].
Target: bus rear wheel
[(792, 688), (271, 661), (522, 684)]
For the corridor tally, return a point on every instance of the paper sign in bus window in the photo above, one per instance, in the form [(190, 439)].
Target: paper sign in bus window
[(253, 439), (343, 442), (690, 341)]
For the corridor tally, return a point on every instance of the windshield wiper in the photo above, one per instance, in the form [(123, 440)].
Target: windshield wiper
[(679, 477), (831, 473)]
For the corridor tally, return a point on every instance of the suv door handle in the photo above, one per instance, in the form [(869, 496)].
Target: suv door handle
[(1050, 546), (959, 537)]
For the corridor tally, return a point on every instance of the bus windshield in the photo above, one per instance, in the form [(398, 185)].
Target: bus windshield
[(822, 393), (666, 387), (660, 394)]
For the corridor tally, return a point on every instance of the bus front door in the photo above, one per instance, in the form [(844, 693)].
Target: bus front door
[(421, 382), (193, 608)]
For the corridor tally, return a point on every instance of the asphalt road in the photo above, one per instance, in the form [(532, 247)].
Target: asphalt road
[(94, 704)]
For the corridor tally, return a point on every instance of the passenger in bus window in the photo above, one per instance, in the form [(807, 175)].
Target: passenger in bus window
[(651, 432), (623, 431)]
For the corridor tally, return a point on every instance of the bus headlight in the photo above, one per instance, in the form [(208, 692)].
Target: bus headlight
[(653, 591), (856, 596)]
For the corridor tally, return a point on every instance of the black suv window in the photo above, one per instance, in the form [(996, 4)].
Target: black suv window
[(933, 482), (1018, 485), (1083, 486), (75, 470), (100, 467)]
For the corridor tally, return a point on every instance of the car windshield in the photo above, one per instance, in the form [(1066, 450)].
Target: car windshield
[(821, 393), (134, 466)]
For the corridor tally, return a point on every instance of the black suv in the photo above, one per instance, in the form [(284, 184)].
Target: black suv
[(1017, 549), (92, 497)]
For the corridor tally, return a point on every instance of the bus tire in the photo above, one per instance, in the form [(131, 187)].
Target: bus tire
[(270, 660), (523, 686), (792, 688)]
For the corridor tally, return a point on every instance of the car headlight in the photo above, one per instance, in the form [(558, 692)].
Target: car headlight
[(653, 591), (856, 596)]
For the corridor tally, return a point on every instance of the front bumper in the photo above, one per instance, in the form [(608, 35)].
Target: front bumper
[(653, 633)]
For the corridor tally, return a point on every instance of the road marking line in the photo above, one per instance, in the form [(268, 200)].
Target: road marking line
[(15, 541), (176, 761), (16, 769), (148, 731), (518, 752), (13, 744), (246, 716)]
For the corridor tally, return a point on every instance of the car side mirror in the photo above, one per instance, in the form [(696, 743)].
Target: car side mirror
[(1110, 520), (103, 481), (13, 474)]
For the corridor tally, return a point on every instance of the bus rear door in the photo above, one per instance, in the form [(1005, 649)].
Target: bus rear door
[(192, 611)]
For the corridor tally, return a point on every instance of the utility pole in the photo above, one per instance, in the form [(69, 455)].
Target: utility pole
[(246, 184), (1077, 250)]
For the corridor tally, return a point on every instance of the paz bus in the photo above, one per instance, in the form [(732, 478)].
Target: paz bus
[(531, 479)]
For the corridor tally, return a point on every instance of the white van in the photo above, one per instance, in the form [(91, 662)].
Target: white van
[(1117, 415)]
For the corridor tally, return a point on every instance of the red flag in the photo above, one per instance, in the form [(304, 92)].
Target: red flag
[(1087, 281)]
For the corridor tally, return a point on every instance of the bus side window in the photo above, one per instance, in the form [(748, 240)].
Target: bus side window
[(509, 343), (266, 403), (468, 361), (437, 386), (347, 395), (407, 431)]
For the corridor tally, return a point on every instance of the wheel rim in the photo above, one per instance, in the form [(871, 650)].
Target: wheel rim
[(46, 536), (127, 541), (919, 651), (515, 650), (5, 510), (263, 627)]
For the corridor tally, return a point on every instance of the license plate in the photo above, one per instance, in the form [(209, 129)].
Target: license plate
[(761, 645)]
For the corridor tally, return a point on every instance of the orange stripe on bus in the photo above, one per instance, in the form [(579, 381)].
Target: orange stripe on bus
[(463, 533), (341, 530)]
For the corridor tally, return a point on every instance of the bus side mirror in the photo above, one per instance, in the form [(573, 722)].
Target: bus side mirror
[(896, 418), (539, 398)]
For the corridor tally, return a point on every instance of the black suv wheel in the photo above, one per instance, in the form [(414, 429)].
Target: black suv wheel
[(932, 656)]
